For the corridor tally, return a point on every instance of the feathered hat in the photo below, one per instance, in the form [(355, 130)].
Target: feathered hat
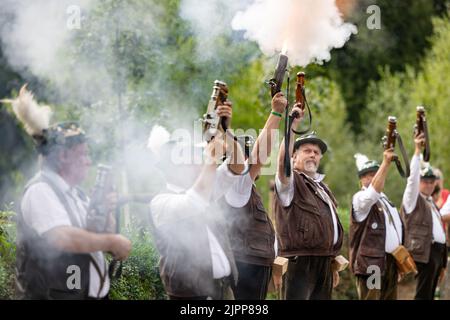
[(426, 170), (365, 165), (36, 121), (168, 149)]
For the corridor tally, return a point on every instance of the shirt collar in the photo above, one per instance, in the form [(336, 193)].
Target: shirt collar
[(430, 198), (381, 193), (56, 179), (318, 178)]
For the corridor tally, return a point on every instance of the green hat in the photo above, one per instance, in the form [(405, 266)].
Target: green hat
[(427, 173), (63, 134), (365, 165), (311, 138)]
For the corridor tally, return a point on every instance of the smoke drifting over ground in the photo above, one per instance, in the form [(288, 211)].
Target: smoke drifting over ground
[(307, 29)]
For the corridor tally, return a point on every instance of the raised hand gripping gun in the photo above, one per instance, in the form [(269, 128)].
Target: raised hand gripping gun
[(300, 99), (421, 126), (277, 81), (389, 140), (211, 122)]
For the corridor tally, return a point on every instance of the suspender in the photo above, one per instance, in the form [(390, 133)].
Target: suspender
[(433, 213), (74, 222), (391, 218)]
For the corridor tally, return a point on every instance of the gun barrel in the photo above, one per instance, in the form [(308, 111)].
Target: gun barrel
[(279, 74)]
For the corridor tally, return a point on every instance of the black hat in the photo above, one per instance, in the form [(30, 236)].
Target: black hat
[(63, 134), (311, 138)]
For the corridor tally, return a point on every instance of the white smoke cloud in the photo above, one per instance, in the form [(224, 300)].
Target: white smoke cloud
[(33, 33), (309, 29), (209, 20)]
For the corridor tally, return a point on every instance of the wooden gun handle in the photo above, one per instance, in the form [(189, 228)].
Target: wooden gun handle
[(420, 116), (300, 90), (391, 133)]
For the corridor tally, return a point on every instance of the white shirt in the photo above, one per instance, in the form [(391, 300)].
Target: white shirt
[(42, 211), (446, 207), (285, 194), (362, 203), (239, 195), (168, 208), (412, 193)]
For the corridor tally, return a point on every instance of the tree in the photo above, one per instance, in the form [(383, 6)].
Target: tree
[(399, 93)]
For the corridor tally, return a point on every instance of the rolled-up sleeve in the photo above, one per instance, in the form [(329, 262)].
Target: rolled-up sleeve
[(168, 208), (363, 201), (240, 192), (42, 210), (412, 186), (224, 180), (285, 193)]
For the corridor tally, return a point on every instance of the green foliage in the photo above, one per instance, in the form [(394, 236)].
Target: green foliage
[(398, 94), (402, 40), (140, 276), (7, 254)]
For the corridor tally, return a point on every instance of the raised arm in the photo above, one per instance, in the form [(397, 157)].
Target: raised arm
[(412, 185), (263, 145), (281, 170)]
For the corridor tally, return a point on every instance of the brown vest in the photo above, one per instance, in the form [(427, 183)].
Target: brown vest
[(185, 257), (251, 232), (305, 227), (419, 230), (367, 241)]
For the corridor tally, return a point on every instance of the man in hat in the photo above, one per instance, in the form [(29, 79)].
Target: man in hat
[(196, 260), (307, 223), (57, 258), (424, 235), (376, 230), (251, 231)]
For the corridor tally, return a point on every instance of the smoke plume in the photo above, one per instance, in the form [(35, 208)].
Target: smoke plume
[(307, 29)]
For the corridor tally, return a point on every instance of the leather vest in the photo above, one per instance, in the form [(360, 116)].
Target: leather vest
[(42, 272), (305, 227), (419, 230), (185, 264), (251, 232)]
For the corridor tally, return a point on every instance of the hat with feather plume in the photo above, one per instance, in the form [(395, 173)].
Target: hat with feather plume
[(36, 121)]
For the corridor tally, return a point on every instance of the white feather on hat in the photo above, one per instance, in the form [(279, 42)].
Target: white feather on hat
[(361, 160), (159, 136), (423, 164), (35, 117)]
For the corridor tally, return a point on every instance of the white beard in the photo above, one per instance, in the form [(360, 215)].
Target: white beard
[(310, 167)]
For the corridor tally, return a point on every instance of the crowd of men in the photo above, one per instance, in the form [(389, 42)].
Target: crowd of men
[(213, 233)]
